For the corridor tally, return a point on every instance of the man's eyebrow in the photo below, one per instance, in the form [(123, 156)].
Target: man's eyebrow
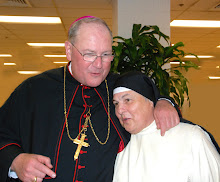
[(93, 51)]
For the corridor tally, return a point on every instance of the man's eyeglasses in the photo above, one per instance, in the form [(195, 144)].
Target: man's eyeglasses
[(90, 57)]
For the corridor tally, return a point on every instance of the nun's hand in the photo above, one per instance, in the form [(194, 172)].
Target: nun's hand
[(166, 116)]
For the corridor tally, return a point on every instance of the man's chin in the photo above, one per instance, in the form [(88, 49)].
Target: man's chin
[(95, 83)]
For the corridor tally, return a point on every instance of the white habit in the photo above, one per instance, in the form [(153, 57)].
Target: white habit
[(184, 154)]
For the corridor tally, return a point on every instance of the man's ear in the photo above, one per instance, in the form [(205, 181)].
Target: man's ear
[(68, 47)]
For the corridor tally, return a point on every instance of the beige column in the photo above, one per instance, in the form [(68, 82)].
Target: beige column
[(145, 12)]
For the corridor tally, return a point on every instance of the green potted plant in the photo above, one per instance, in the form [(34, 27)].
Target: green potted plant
[(143, 52)]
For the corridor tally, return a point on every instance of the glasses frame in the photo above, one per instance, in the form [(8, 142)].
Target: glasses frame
[(96, 56)]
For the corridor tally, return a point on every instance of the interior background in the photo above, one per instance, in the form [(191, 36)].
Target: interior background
[(204, 93)]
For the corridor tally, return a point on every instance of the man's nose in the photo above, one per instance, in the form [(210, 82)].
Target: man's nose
[(98, 62)]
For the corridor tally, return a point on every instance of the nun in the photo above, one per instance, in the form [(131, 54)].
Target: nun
[(185, 154)]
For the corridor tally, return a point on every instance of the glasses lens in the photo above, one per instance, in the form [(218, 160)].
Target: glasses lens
[(107, 58), (89, 57)]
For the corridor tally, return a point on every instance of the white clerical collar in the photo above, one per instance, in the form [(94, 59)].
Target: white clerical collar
[(70, 70)]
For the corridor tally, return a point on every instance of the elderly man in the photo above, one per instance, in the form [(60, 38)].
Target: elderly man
[(60, 125), (184, 154)]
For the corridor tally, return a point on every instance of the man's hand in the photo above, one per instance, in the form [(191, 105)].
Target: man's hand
[(29, 166), (166, 116)]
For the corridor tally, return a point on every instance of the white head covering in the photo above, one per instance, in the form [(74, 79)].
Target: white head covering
[(120, 89)]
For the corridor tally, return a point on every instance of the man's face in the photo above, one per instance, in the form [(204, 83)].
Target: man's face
[(134, 111), (91, 39)]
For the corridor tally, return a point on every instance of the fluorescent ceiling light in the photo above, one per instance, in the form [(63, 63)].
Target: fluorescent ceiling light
[(214, 77), (217, 66), (5, 55), (55, 56), (56, 62), (218, 46), (176, 62), (195, 23), (29, 19), (9, 64), (28, 72), (205, 56), (46, 44)]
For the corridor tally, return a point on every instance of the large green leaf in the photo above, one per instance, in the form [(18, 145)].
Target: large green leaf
[(144, 52)]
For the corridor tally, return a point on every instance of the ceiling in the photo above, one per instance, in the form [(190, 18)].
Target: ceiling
[(13, 37)]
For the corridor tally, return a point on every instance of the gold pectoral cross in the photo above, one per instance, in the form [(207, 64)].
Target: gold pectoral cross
[(80, 144)]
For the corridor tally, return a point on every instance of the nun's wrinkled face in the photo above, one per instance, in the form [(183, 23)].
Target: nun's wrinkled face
[(134, 111)]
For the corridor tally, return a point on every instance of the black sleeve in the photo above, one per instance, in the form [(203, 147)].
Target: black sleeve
[(10, 145), (7, 155)]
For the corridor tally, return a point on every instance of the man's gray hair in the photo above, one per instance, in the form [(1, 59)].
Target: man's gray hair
[(73, 30)]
